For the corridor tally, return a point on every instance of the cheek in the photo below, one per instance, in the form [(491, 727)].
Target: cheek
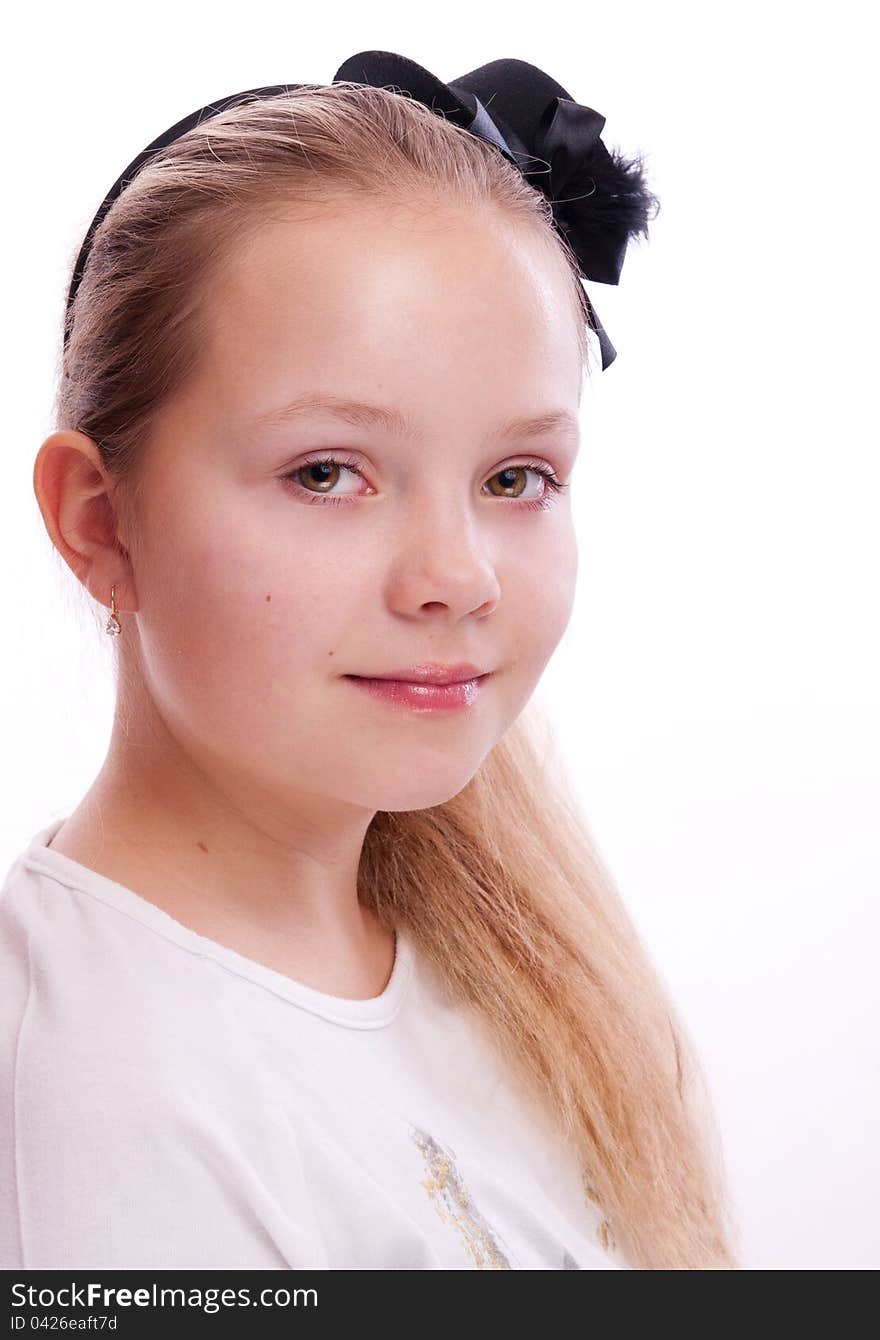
[(236, 615), (539, 594)]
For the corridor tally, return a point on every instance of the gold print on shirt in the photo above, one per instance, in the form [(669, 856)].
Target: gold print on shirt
[(453, 1204), (603, 1232)]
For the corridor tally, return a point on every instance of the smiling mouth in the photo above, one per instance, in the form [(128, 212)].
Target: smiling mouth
[(463, 672), (423, 696)]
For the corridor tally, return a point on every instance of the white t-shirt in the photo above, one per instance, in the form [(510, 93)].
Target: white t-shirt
[(167, 1103)]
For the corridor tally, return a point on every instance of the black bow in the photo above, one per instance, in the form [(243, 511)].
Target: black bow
[(599, 199)]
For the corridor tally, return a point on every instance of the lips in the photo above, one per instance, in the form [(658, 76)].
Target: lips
[(429, 674), (423, 696)]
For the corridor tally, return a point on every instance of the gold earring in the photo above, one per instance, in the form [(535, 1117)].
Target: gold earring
[(113, 625)]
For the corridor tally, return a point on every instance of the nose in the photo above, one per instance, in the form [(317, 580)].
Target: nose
[(444, 566)]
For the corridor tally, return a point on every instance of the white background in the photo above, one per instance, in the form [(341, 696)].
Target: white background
[(716, 692)]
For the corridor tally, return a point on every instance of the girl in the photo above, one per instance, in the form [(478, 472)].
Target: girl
[(324, 969)]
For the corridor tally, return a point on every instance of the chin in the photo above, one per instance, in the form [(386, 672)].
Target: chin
[(423, 795)]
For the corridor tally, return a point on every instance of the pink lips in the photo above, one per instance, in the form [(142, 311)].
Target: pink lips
[(427, 688), (432, 674)]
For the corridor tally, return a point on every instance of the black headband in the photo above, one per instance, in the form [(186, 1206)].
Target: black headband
[(599, 199)]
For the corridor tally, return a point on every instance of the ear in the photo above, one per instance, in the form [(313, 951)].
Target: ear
[(74, 494)]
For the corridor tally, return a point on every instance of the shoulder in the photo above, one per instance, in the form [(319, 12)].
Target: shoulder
[(129, 1136), (94, 1005), (79, 970)]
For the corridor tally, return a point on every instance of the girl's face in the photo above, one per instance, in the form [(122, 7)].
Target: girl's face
[(424, 540)]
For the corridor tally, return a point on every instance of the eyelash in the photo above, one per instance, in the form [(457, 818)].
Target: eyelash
[(327, 500)]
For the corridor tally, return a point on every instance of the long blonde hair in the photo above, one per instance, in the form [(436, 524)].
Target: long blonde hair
[(500, 888)]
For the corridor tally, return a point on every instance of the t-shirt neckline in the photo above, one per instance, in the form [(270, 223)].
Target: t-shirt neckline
[(375, 1012)]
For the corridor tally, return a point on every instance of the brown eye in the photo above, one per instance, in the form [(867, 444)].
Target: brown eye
[(325, 473), (315, 480), (511, 470)]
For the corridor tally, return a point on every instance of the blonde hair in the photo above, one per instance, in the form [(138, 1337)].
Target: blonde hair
[(500, 888)]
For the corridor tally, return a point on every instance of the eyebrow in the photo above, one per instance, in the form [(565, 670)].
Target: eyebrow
[(362, 415)]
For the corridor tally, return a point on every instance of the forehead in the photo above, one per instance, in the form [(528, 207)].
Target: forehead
[(451, 309)]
